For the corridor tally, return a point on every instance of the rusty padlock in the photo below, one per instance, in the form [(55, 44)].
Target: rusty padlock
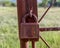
[(29, 29)]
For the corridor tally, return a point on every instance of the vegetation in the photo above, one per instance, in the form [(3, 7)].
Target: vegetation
[(7, 3), (9, 37), (46, 3)]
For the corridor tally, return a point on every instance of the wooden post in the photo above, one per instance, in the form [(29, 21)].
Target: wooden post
[(23, 7)]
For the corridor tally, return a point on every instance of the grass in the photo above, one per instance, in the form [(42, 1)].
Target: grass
[(9, 28)]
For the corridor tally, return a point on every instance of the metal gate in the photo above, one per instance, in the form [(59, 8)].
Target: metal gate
[(23, 7)]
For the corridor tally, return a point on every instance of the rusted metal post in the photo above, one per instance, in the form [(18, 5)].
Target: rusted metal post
[(23, 7), (24, 44), (33, 44), (21, 11)]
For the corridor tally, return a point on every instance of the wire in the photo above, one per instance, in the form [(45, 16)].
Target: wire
[(44, 13), (44, 41), (53, 2)]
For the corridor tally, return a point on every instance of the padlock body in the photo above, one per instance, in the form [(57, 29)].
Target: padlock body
[(29, 31)]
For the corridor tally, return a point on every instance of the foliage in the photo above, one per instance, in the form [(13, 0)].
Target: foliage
[(46, 3), (7, 3)]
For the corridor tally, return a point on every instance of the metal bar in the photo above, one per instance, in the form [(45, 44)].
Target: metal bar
[(50, 29), (24, 44), (29, 5), (21, 9), (35, 8), (45, 13), (33, 44), (34, 3), (44, 42), (47, 10)]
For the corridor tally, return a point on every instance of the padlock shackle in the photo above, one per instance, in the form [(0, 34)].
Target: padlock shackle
[(24, 21)]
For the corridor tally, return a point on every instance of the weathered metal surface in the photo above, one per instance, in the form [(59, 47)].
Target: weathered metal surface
[(33, 44), (29, 27), (50, 29), (23, 7), (29, 31)]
